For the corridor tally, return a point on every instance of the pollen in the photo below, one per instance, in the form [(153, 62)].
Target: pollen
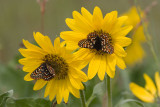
[(58, 64)]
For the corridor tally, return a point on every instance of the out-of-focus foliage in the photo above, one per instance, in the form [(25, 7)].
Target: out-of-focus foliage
[(7, 100), (4, 97)]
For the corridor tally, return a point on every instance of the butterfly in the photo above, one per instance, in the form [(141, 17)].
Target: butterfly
[(99, 42), (44, 71)]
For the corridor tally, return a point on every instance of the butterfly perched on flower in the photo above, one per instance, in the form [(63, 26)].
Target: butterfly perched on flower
[(44, 71), (99, 41)]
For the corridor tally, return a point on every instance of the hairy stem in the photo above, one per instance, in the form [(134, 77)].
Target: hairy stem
[(83, 100), (109, 92)]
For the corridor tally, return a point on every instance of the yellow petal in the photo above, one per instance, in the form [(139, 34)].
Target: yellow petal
[(122, 31), (72, 36), (63, 44), (68, 57), (122, 41), (77, 73), (28, 77), (141, 93), (120, 62), (73, 26), (157, 79), (118, 24), (94, 66), (82, 22), (30, 61), (75, 82), (62, 52), (48, 87), (133, 17), (149, 84), (52, 95), (73, 90), (87, 15), (135, 53), (50, 45), (57, 45), (66, 95), (118, 50), (139, 35), (53, 90), (83, 53), (109, 21), (79, 63), (42, 42), (71, 45), (65, 91), (31, 53), (111, 59), (120, 21), (39, 84), (59, 92), (109, 72), (32, 47), (102, 68), (31, 68), (97, 18)]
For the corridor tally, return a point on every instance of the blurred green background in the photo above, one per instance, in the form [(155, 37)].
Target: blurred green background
[(20, 18)]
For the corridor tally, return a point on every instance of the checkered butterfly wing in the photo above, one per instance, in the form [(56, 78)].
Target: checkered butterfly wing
[(106, 44), (88, 43), (44, 71)]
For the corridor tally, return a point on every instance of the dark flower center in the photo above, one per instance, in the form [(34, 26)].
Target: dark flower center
[(58, 64)]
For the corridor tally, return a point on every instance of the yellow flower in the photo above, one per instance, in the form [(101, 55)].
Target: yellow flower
[(100, 40), (135, 52), (150, 92), (52, 65)]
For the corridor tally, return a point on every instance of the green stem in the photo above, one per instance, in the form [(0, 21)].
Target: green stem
[(147, 35), (109, 92), (89, 100), (83, 100)]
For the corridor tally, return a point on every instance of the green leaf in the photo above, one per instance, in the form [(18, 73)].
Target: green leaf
[(99, 89), (130, 100), (4, 97), (98, 92), (89, 86), (29, 102)]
